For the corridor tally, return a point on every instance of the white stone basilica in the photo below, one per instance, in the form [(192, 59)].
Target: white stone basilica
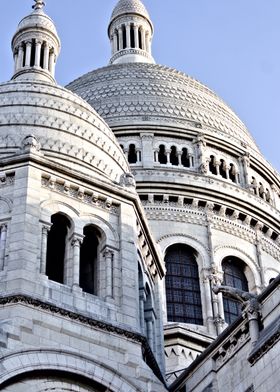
[(126, 199)]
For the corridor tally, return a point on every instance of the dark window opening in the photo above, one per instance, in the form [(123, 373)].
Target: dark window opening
[(234, 276), (56, 247), (144, 197), (88, 260), (158, 198), (162, 158), (232, 173), (223, 172), (173, 199), (173, 156), (118, 40), (132, 155), (182, 285), (132, 38), (42, 55), (124, 37), (188, 201), (185, 158), (212, 165), (24, 55), (122, 147), (33, 51), (202, 203), (140, 39)]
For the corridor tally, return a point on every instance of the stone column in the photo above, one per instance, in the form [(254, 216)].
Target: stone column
[(120, 38), (147, 42), (38, 53), (138, 153), (3, 240), (200, 145), (258, 228), (168, 152), (108, 256), (28, 54), (46, 56), (52, 62), (136, 37), (44, 244), (15, 62), (156, 155), (143, 36), (245, 162), (179, 154), (76, 244), (20, 57), (148, 159), (142, 299), (127, 29), (227, 168)]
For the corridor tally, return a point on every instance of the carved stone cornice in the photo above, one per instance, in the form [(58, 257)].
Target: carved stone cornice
[(90, 322), (83, 195)]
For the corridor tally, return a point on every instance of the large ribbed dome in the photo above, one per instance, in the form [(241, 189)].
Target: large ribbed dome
[(142, 94), (68, 131), (124, 7)]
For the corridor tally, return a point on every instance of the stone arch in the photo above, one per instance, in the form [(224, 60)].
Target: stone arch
[(50, 207), (202, 252), (16, 365), (251, 271), (111, 237), (5, 205)]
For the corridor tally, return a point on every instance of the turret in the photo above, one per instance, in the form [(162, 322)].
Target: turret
[(130, 31), (36, 46)]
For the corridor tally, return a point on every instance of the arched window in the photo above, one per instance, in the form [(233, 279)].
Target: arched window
[(140, 39), (185, 158), (223, 172), (182, 285), (233, 276), (56, 247), (124, 37), (174, 156), (132, 155), (212, 165), (132, 38), (162, 158), (232, 173), (88, 260)]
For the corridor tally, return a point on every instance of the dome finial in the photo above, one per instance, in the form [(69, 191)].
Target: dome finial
[(39, 4)]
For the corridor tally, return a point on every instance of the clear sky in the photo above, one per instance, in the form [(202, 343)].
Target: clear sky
[(233, 46)]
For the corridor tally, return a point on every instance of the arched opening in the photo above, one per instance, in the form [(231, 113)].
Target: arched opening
[(132, 155), (33, 50), (140, 39), (174, 156), (223, 172), (118, 40), (232, 173), (42, 54), (182, 285), (132, 38), (212, 165), (56, 245), (185, 158), (124, 37), (162, 158), (88, 259), (234, 276)]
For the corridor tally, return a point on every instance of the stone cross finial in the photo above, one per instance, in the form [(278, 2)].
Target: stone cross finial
[(39, 4)]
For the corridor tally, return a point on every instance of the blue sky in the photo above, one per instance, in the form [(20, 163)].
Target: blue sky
[(233, 46)]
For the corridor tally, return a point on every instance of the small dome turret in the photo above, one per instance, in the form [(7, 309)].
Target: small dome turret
[(36, 46), (130, 32)]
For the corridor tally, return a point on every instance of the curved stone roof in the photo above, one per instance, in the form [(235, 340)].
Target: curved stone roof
[(138, 93), (68, 130), (129, 7), (37, 19)]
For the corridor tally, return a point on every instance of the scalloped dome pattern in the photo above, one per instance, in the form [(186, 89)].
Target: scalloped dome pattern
[(69, 131), (129, 7), (37, 19), (137, 93)]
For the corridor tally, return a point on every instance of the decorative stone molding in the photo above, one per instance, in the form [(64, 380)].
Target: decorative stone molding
[(31, 144), (128, 180), (7, 178), (84, 195), (93, 323)]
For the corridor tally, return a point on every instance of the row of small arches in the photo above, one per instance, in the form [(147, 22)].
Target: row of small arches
[(35, 53), (222, 168), (260, 190)]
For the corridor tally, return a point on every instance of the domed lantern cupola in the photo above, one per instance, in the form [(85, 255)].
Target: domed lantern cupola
[(36, 46), (130, 31)]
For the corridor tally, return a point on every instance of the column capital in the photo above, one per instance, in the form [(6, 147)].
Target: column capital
[(107, 252), (77, 240)]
